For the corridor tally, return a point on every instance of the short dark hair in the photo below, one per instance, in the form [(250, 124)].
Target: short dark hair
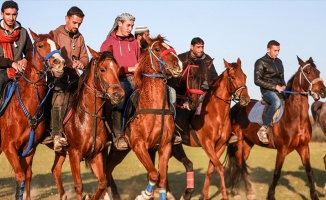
[(197, 40), (9, 4), (273, 43), (75, 11)]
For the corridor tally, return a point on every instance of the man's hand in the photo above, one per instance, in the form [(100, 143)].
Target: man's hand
[(280, 88), (18, 67)]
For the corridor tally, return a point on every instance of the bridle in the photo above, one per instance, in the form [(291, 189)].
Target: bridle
[(162, 67), (232, 89), (101, 86)]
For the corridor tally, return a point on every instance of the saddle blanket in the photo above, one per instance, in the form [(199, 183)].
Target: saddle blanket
[(256, 113)]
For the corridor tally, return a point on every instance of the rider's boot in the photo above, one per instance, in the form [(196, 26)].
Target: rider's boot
[(119, 140), (58, 140)]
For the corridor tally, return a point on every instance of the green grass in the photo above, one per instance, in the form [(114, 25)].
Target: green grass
[(131, 176)]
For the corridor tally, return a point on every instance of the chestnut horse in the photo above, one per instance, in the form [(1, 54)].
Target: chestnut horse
[(211, 129), (152, 125), (292, 132), (22, 124), (85, 126)]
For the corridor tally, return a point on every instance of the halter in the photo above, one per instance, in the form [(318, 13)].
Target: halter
[(160, 60), (311, 83), (234, 90)]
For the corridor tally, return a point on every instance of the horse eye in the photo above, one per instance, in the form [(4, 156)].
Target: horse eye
[(102, 70), (157, 49), (40, 46)]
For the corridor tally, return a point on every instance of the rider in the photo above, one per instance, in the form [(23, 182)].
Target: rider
[(197, 56), (126, 51), (269, 76), (73, 50), (15, 43), (141, 33)]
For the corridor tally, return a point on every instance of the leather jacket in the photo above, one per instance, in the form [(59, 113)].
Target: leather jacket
[(269, 72)]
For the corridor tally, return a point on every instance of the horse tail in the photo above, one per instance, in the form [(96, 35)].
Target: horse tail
[(315, 110), (233, 172)]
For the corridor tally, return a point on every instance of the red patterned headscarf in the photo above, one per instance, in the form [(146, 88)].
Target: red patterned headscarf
[(5, 41)]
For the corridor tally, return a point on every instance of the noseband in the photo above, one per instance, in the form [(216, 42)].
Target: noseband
[(233, 89)]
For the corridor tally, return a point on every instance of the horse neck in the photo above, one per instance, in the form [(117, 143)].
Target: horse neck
[(151, 94), (220, 99), (89, 98), (297, 104)]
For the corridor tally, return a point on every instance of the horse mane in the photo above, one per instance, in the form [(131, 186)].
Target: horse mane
[(290, 81), (84, 77), (216, 84)]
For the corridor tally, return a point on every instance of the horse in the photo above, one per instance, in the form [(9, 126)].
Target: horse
[(318, 111), (151, 125), (292, 132), (84, 126), (211, 129), (22, 124)]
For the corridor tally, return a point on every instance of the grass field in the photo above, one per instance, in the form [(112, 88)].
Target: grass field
[(131, 176)]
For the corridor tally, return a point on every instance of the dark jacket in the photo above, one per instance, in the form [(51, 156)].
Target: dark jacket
[(269, 72), (209, 73)]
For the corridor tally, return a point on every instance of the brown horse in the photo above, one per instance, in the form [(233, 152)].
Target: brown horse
[(22, 124), (318, 111), (152, 124), (292, 132), (211, 129), (84, 127)]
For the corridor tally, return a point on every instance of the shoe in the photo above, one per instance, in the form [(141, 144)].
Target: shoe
[(177, 139), (233, 138), (47, 140), (58, 143), (120, 143), (262, 135)]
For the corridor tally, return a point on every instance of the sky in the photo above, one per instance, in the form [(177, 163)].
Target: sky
[(230, 29)]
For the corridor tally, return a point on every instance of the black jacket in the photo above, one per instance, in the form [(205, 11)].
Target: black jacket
[(269, 72)]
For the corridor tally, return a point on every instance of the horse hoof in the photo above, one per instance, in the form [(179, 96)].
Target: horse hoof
[(64, 197), (87, 197), (251, 196), (169, 196), (237, 196)]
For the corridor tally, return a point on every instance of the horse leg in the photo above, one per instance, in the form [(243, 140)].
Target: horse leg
[(56, 172), (13, 158), (179, 153), (164, 156), (27, 165), (97, 166), (75, 171), (114, 158), (277, 173), (214, 153), (246, 148), (153, 175), (305, 158)]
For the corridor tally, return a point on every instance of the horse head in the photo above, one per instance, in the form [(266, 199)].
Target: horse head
[(46, 51), (310, 80), (237, 82), (104, 72)]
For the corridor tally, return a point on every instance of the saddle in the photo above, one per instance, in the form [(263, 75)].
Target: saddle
[(258, 112)]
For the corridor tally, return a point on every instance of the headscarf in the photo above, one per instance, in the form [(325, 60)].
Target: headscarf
[(121, 17)]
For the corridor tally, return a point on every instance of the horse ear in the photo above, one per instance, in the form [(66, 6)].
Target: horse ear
[(239, 62), (51, 34), (311, 60), (149, 40), (34, 35), (301, 63), (110, 49), (94, 53), (226, 64)]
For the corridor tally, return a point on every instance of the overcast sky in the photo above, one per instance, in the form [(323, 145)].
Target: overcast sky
[(230, 29)]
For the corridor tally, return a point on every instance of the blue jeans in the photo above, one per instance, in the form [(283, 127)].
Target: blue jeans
[(274, 102), (126, 84)]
